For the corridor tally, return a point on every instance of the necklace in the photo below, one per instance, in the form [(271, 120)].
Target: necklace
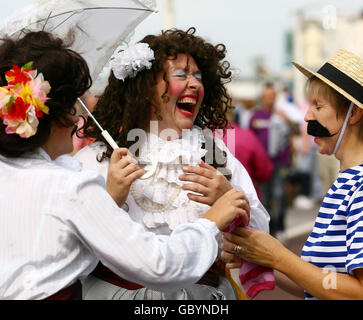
[(150, 206)]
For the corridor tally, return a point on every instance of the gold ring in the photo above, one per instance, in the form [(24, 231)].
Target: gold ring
[(237, 250), (241, 202)]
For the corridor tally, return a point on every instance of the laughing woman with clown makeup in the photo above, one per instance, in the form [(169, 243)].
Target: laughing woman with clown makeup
[(161, 93), (331, 263)]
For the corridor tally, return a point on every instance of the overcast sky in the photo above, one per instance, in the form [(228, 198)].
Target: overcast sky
[(247, 28)]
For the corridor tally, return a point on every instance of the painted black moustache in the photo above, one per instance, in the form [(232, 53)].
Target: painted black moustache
[(315, 129)]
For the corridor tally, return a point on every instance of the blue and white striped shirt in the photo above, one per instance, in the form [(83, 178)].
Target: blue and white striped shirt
[(336, 242)]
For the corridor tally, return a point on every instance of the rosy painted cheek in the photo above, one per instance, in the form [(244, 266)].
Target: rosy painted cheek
[(176, 88)]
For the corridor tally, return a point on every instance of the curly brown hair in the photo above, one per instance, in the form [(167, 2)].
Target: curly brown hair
[(65, 70), (125, 105)]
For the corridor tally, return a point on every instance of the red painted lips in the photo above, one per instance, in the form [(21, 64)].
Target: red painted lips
[(186, 104)]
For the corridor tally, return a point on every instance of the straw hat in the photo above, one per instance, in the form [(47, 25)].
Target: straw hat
[(344, 73)]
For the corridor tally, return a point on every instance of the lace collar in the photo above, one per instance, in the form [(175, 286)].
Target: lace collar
[(186, 150), (161, 197)]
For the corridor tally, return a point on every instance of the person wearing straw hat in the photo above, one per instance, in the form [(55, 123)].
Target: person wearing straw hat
[(57, 222), (331, 263)]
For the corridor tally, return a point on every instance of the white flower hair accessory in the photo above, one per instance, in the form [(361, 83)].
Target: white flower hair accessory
[(129, 62)]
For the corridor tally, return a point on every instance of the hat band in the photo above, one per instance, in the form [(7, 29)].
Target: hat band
[(343, 81)]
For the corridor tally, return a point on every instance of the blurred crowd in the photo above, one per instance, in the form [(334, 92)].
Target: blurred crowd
[(295, 174)]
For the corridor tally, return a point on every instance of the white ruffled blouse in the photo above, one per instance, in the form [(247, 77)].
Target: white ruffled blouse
[(161, 197), (57, 222), (159, 202)]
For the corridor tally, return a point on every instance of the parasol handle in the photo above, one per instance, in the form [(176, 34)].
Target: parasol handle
[(109, 139), (112, 142), (104, 133)]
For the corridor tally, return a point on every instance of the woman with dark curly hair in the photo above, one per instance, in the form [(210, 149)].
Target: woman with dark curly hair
[(161, 93), (132, 103), (57, 222)]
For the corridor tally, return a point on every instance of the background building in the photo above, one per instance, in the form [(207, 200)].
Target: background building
[(316, 33), (316, 37)]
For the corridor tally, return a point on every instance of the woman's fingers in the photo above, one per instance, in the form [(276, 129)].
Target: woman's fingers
[(125, 164), (130, 168), (228, 244), (242, 203), (126, 160), (228, 255), (122, 157), (200, 199), (118, 154), (206, 165), (242, 232), (135, 175), (253, 245), (205, 172), (214, 182), (198, 188), (195, 178)]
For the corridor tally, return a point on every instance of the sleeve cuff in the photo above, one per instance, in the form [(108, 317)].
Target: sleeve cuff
[(211, 226)]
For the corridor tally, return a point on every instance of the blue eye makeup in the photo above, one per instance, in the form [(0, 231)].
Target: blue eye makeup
[(179, 73), (198, 76), (184, 74)]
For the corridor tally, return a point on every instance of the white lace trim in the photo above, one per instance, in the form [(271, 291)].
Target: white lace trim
[(161, 197), (187, 150)]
